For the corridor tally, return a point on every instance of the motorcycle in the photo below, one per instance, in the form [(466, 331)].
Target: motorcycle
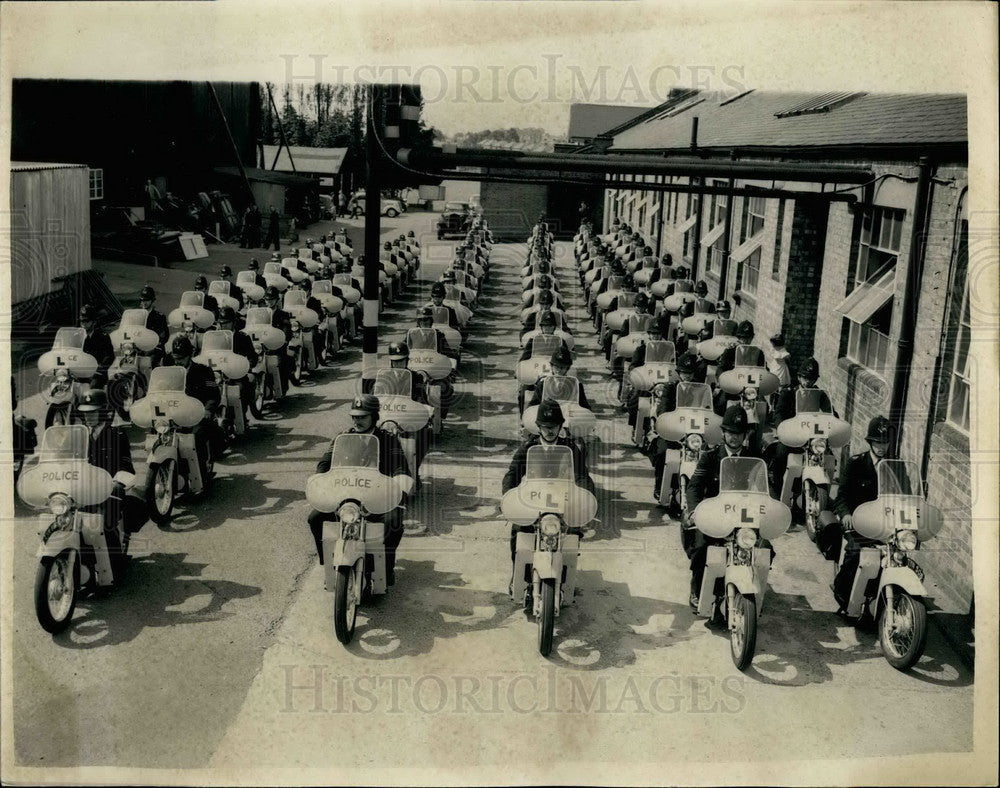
[(816, 431), (172, 462), (535, 366), (399, 414), (703, 313), (561, 331), (353, 549), (229, 368), (64, 371), (900, 520), (613, 322), (579, 422), (454, 298), (682, 294), (275, 278), (623, 347), (268, 343), (696, 427), (436, 367), (190, 318), (352, 296), (222, 292), (658, 368), (73, 557), (301, 347), (752, 381), (334, 310), (735, 578), (723, 337), (253, 293), (545, 561), (129, 374)]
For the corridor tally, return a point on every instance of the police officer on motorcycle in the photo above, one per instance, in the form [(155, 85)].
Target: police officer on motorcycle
[(155, 320), (858, 485), (559, 363), (391, 462), (97, 344), (199, 383), (705, 484)]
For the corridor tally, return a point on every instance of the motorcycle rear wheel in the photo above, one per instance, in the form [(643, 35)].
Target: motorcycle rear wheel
[(345, 601), (161, 491), (55, 592), (743, 633), (903, 645), (546, 620), (256, 403)]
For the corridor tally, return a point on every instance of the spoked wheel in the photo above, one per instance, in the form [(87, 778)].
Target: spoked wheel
[(547, 617), (256, 403), (55, 591), (743, 630), (346, 596), (810, 503), (904, 639), (161, 491)]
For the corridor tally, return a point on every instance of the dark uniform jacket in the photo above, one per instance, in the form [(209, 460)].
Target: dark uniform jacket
[(157, 321), (111, 451), (242, 344), (784, 406), (858, 484), (705, 479), (530, 345), (515, 473), (199, 383), (536, 397), (453, 321), (98, 344), (391, 460), (556, 300)]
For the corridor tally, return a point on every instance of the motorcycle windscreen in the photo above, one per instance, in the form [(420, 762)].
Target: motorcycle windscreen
[(424, 359), (441, 315), (199, 316), (563, 389), (194, 298), (67, 354), (60, 466), (548, 486), (306, 317), (813, 419), (408, 415), (133, 329), (693, 414), (718, 517), (247, 282), (711, 349), (649, 374), (703, 311), (748, 370), (353, 475), (165, 399), (217, 354), (422, 339), (544, 346), (660, 352)]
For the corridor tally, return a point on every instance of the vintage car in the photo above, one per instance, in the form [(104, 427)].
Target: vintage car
[(454, 220)]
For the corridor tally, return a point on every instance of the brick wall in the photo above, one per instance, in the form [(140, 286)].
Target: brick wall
[(947, 558)]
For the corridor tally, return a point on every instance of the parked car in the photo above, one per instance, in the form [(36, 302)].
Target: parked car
[(454, 220), (390, 206)]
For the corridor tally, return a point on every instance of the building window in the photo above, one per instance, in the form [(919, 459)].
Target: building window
[(749, 272), (868, 342), (881, 231), (715, 258), (642, 217), (756, 208), (959, 388), (96, 184), (779, 228), (720, 205)]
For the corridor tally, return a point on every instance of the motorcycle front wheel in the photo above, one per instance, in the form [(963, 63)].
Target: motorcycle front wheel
[(810, 503), (55, 592), (903, 642), (546, 620), (161, 490), (346, 596), (743, 632), (256, 403)]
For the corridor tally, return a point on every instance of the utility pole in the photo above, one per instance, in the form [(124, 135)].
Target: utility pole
[(373, 205)]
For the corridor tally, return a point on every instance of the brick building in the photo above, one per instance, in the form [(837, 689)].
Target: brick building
[(840, 279)]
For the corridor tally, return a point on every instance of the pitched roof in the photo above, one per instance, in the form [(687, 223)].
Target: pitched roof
[(589, 120), (808, 120), (323, 160), (31, 166)]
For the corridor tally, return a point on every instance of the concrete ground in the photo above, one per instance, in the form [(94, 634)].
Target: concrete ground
[(218, 652)]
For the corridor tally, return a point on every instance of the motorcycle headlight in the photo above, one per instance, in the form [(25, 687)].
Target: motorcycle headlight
[(391, 427), (750, 392), (162, 426), (188, 325), (695, 442), (128, 348), (349, 514), (818, 445), (258, 348), (658, 389), (550, 525), (906, 540), (295, 325), (62, 374), (746, 538), (59, 504)]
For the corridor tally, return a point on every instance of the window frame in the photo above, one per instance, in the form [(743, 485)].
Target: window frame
[(95, 183)]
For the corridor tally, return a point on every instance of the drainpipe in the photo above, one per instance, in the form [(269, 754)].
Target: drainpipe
[(935, 392), (659, 224), (724, 273), (911, 297), (696, 250)]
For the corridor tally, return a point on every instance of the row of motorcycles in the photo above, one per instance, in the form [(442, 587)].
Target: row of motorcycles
[(355, 492), (317, 319), (658, 308)]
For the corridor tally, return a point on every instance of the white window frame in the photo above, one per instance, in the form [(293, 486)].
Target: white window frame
[(750, 273), (960, 385), (867, 344)]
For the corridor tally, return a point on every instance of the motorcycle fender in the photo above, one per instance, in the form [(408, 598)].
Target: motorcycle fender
[(524, 548), (815, 474), (741, 577), (346, 552), (869, 563), (59, 541), (715, 567), (904, 577), (548, 565), (163, 452)]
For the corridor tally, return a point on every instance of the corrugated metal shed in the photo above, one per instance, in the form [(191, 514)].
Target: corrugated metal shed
[(32, 166)]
